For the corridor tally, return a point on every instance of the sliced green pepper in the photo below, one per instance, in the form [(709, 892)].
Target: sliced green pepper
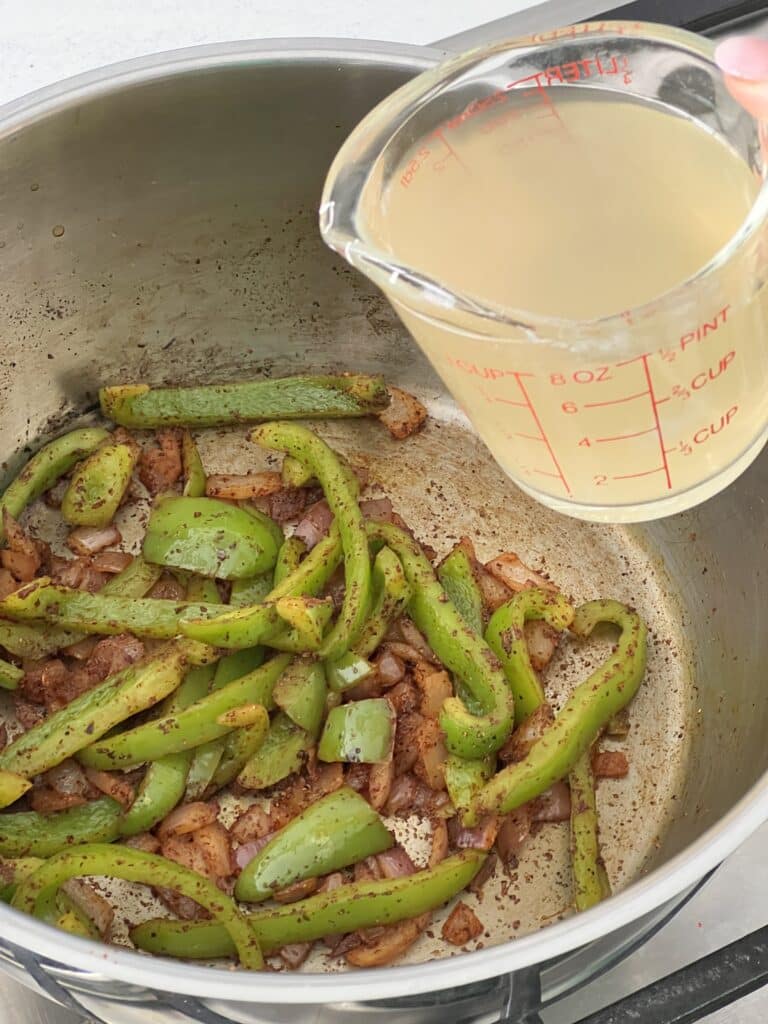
[(308, 618), (251, 591), (457, 577), (391, 594), (206, 759), (165, 779), (209, 537), (10, 675), (340, 829), (98, 485), (213, 405), (12, 786), (591, 705), (460, 649), (202, 769), (194, 474), (95, 613), (251, 625), (239, 747), (95, 712), (136, 580), (300, 692), (272, 528), (35, 640), (506, 638), (346, 671), (29, 834), (464, 779), (291, 552), (341, 496), (46, 467), (351, 907), (280, 755), (186, 729), (294, 473), (37, 894), (13, 872), (361, 732), (589, 878)]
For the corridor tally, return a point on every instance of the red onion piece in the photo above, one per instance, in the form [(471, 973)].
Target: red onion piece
[(315, 524), (87, 540)]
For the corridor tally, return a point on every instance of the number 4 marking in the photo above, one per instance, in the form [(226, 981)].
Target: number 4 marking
[(585, 443)]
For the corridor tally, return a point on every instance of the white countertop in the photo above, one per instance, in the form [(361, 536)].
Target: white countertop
[(43, 41)]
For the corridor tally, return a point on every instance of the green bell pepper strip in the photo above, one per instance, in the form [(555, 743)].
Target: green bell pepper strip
[(273, 529), (300, 692), (98, 485), (12, 786), (38, 640), (295, 473), (239, 747), (206, 759), (251, 625), (391, 594), (29, 834), (361, 732), (280, 755), (458, 581), (308, 617), (202, 769), (236, 665), (591, 705), (194, 474), (291, 552), (94, 713), (135, 580), (338, 830), (165, 779), (353, 906), (213, 405), (186, 729), (252, 591), (37, 894), (13, 871), (46, 467), (73, 919), (341, 496), (95, 613), (462, 651), (589, 881), (10, 675), (34, 640), (346, 671), (463, 778), (209, 537), (506, 638)]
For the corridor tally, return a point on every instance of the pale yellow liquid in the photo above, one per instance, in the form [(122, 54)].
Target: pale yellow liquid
[(579, 209)]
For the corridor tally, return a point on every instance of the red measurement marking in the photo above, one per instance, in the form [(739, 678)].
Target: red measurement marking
[(509, 401), (451, 152), (615, 401), (542, 432), (544, 472), (648, 472), (626, 437), (657, 421), (529, 437)]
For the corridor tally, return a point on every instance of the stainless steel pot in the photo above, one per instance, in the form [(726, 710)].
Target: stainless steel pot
[(159, 223)]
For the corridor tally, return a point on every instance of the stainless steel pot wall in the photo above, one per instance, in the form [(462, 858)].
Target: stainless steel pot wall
[(158, 222)]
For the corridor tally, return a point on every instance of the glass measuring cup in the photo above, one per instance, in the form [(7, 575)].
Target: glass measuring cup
[(573, 228)]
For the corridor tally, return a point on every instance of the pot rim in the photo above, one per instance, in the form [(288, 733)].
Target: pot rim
[(643, 896)]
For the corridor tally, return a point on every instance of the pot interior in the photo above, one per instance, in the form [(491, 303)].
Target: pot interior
[(166, 232)]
